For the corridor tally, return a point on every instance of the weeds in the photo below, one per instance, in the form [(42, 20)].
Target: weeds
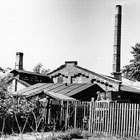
[(67, 135), (75, 133)]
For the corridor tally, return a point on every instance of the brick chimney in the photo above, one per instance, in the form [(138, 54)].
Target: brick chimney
[(19, 61), (71, 63), (117, 43)]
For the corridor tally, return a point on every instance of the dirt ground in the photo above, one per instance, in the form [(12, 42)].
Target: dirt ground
[(48, 135), (108, 138), (29, 136)]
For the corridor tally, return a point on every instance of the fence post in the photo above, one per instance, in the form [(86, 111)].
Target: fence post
[(139, 121), (49, 111), (75, 115), (47, 117), (67, 115), (61, 113), (89, 122), (90, 115), (83, 104)]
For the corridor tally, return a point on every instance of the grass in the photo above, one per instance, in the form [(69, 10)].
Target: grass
[(72, 134)]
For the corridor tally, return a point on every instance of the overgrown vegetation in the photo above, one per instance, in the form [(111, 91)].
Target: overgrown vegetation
[(16, 113), (67, 135), (75, 133)]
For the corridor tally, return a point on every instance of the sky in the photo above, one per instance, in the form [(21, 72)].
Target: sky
[(54, 31)]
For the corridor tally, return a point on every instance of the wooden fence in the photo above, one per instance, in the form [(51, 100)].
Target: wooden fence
[(79, 114), (116, 119), (67, 114), (111, 118)]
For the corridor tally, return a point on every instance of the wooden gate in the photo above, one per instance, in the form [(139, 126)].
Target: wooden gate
[(68, 114), (78, 115)]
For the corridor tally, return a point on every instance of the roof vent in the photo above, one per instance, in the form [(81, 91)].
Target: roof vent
[(71, 63)]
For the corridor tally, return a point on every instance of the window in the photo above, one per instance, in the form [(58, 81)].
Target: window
[(60, 79)]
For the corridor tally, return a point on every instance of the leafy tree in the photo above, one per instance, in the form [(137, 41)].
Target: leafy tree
[(132, 71), (40, 70), (37, 68)]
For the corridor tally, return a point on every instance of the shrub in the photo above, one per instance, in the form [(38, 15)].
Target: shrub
[(75, 133), (85, 134), (52, 138), (66, 136)]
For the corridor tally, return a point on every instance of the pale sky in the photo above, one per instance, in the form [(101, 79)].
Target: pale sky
[(55, 31)]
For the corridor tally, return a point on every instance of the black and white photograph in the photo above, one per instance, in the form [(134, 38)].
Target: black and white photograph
[(69, 70)]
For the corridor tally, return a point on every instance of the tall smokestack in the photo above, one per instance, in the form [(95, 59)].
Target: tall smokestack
[(19, 61), (117, 43)]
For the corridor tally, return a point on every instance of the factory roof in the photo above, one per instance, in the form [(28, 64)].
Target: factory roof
[(58, 96), (70, 68), (60, 88), (128, 88)]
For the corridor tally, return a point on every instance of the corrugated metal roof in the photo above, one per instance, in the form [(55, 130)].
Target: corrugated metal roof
[(25, 90), (71, 87), (38, 88), (129, 89), (61, 88), (58, 96), (79, 89)]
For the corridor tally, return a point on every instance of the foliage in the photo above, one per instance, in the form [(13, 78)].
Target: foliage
[(65, 136), (17, 113), (53, 138), (37, 68), (132, 71), (86, 134), (75, 133), (40, 70)]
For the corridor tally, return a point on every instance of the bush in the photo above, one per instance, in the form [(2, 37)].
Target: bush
[(52, 138), (86, 134), (75, 133), (66, 136)]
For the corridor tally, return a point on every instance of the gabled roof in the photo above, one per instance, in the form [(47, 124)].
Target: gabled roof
[(75, 69), (61, 88), (100, 75), (27, 72)]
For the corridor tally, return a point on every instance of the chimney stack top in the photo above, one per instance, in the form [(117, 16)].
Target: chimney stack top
[(71, 63), (19, 53), (118, 9)]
